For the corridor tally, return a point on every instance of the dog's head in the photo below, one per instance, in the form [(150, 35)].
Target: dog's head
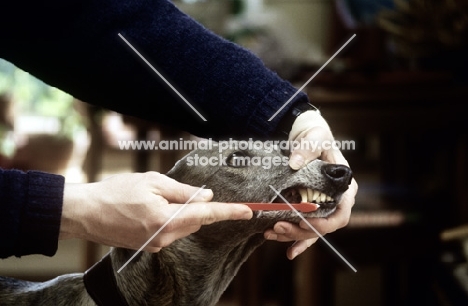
[(245, 176)]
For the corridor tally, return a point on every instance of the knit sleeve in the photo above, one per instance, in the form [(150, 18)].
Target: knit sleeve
[(30, 212), (75, 46)]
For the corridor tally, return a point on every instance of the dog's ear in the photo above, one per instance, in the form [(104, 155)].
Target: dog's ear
[(187, 172), (177, 163), (176, 171)]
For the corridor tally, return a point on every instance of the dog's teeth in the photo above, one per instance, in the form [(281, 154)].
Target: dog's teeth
[(303, 193), (316, 195), (310, 195), (323, 197)]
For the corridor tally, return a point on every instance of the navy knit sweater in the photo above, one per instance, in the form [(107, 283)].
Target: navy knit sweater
[(74, 45)]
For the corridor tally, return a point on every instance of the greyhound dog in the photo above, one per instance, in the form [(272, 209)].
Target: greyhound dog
[(197, 269)]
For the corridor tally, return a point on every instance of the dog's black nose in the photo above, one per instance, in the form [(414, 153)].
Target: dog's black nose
[(339, 175)]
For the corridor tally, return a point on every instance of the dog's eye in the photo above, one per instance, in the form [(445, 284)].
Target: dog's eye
[(238, 159)]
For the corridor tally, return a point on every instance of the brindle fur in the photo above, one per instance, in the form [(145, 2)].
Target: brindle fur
[(197, 269)]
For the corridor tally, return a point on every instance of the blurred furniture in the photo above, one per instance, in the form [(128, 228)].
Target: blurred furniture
[(141, 159), (410, 163), (452, 270), (421, 174)]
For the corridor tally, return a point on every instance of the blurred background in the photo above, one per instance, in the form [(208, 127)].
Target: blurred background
[(398, 90)]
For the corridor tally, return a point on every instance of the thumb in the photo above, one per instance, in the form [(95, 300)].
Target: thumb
[(308, 146), (307, 133)]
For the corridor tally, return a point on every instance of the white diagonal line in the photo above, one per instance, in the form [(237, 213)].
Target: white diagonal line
[(162, 77), (306, 83), (313, 228), (162, 227)]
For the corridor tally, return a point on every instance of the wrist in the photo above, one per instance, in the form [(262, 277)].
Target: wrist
[(75, 202)]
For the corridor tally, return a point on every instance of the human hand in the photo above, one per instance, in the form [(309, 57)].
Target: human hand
[(125, 210), (312, 127)]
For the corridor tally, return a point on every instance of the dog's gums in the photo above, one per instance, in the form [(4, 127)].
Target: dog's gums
[(197, 269)]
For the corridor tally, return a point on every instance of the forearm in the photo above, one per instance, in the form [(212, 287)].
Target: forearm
[(84, 56), (31, 206)]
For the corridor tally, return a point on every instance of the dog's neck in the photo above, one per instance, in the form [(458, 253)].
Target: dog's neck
[(212, 256)]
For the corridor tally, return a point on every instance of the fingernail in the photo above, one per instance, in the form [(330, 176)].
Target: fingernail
[(247, 214), (240, 212), (296, 162), (271, 237), (295, 242), (294, 254)]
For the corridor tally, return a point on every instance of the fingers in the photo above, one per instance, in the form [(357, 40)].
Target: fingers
[(334, 156), (176, 192), (152, 249), (181, 221), (208, 213), (299, 247), (308, 146), (284, 231), (309, 132), (339, 218), (312, 138), (304, 235)]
